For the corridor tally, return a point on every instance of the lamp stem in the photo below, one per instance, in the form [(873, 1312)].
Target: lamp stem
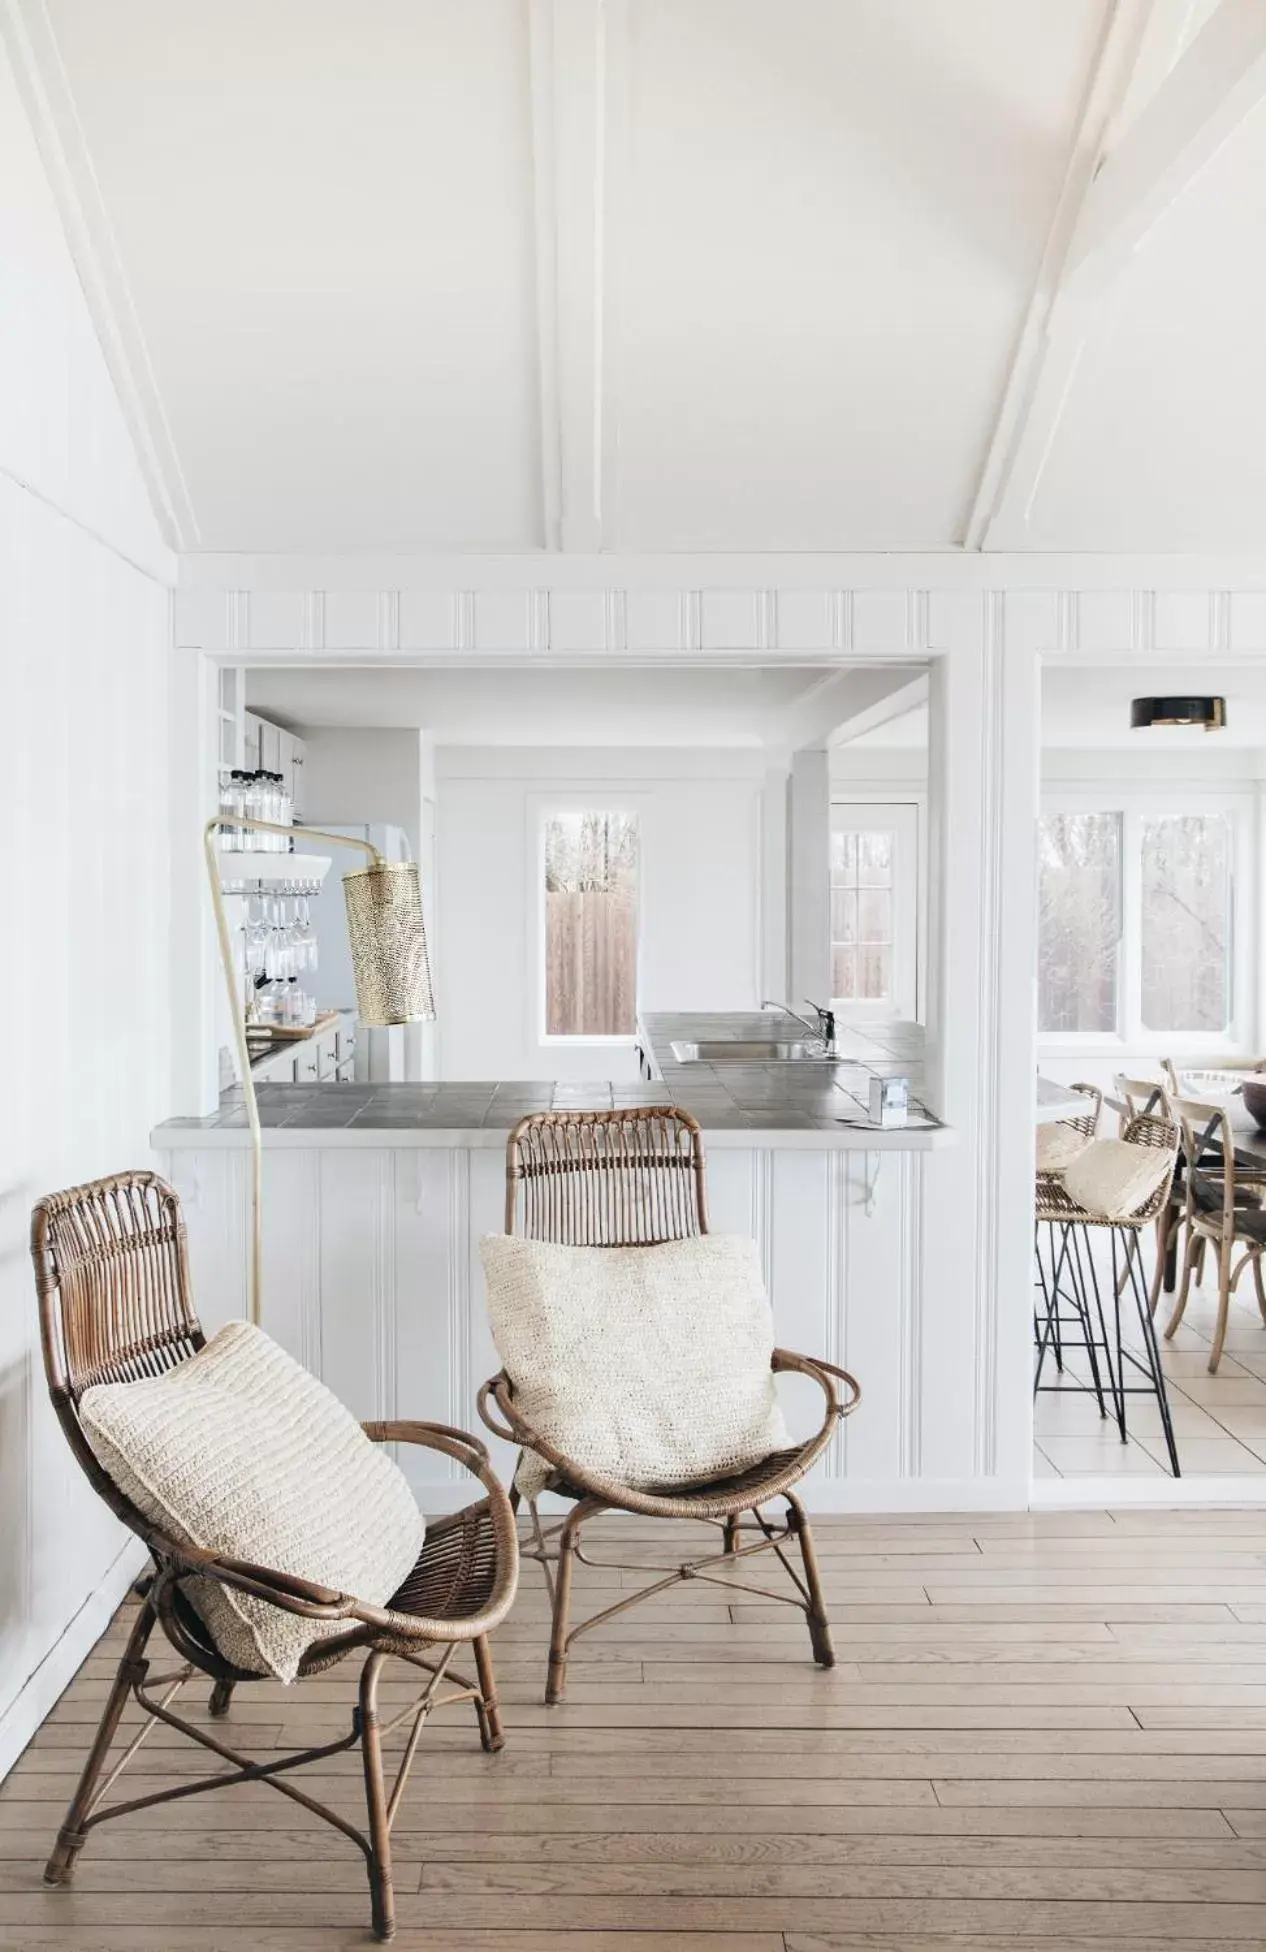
[(212, 853)]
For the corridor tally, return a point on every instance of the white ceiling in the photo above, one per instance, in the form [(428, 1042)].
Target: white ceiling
[(1085, 709), (679, 705), (663, 274)]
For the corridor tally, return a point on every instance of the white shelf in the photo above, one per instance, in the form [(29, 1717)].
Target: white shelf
[(251, 865)]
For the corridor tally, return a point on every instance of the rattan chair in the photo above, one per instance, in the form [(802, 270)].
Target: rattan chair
[(635, 1178), (1076, 1266), (1220, 1212), (112, 1273)]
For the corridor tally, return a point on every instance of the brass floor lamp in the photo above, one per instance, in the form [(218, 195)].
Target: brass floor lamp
[(389, 961)]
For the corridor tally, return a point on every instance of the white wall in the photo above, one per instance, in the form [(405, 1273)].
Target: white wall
[(354, 776), (699, 894), (84, 621)]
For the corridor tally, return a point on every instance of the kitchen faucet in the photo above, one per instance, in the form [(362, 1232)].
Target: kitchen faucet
[(826, 1019)]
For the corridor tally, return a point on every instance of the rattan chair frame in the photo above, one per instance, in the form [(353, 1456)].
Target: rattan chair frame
[(1222, 1221), (112, 1276), (1076, 1260), (637, 1177)]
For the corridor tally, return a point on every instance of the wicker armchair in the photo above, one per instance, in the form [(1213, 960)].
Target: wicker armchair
[(636, 1178), (112, 1273)]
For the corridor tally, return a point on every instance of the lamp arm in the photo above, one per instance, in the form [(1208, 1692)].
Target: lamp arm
[(237, 820)]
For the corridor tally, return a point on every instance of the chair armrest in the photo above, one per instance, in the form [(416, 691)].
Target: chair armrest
[(822, 1372), (433, 1436)]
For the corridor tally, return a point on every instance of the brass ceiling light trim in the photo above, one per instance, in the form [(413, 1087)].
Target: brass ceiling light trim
[(1207, 712)]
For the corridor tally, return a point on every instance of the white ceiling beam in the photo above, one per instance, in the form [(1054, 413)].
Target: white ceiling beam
[(27, 33), (576, 52), (1113, 194), (848, 701), (1197, 109), (1019, 429)]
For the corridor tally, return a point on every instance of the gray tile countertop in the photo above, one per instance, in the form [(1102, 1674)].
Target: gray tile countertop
[(783, 1104)]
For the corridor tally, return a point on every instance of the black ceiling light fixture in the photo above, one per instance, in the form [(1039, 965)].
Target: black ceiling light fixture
[(1148, 712)]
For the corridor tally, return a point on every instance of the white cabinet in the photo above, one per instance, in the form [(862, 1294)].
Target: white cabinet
[(269, 748)]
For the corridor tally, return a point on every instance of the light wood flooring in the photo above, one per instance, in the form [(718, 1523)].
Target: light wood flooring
[(1043, 1732)]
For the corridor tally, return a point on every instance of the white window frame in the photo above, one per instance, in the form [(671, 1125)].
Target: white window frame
[(1131, 1037), (901, 819), (543, 807)]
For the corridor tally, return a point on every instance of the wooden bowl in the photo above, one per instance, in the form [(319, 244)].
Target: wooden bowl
[(1255, 1101)]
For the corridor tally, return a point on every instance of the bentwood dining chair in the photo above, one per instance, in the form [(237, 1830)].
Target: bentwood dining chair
[(635, 1178), (111, 1270), (1220, 1212)]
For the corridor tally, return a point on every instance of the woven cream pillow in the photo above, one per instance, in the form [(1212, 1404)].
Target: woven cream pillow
[(241, 1451), (1058, 1145), (649, 1365), (1113, 1178)]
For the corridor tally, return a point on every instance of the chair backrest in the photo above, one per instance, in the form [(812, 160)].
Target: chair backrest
[(632, 1178), (112, 1275), (1088, 1122), (1141, 1096), (1209, 1149)]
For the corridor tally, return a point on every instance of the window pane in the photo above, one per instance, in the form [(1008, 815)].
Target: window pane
[(874, 915), (1079, 909), (874, 974), (591, 924), (843, 915), (875, 860), (843, 971), (1185, 931), (843, 857)]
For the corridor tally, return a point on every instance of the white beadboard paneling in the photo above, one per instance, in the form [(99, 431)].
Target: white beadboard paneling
[(485, 1214), (804, 620), (882, 620), (653, 620), (201, 619), (277, 620), (291, 1271), (870, 1339), (1182, 620), (1247, 631), (731, 620), (352, 620), (800, 1263), (578, 621), (428, 620), (1105, 620), (503, 620), (358, 1301)]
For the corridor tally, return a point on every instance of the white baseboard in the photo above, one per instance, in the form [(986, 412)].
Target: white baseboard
[(1110, 1493), (45, 1687)]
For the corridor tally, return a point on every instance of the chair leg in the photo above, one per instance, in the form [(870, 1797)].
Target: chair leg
[(732, 1535), (1225, 1253), (378, 1863), (819, 1624), (221, 1696), (491, 1733), (1261, 1291), (70, 1838), (1195, 1246), (567, 1543)]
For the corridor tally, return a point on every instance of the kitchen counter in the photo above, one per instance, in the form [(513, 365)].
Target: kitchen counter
[(774, 1104)]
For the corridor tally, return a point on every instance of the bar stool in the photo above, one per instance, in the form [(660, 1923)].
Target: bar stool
[(1076, 1279), (1058, 1143)]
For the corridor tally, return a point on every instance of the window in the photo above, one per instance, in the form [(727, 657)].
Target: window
[(1136, 910), (874, 897), (1079, 905), (591, 869), (1185, 922)]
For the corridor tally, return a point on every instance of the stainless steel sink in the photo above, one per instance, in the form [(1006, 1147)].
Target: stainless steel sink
[(730, 1051)]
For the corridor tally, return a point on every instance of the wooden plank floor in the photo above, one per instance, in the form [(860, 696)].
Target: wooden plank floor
[(1044, 1732)]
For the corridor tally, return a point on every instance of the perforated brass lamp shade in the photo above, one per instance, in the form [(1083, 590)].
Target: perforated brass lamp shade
[(388, 943)]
